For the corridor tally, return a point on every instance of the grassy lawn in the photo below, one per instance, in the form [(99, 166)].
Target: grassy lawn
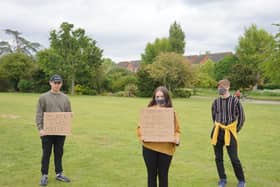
[(104, 151)]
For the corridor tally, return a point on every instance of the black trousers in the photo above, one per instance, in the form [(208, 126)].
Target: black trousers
[(233, 155), (57, 142), (157, 164)]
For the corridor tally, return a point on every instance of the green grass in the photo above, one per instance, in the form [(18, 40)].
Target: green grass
[(104, 151)]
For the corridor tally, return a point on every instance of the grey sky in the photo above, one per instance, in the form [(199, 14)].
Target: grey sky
[(123, 28)]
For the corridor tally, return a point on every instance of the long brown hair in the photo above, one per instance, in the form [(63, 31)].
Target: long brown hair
[(167, 98)]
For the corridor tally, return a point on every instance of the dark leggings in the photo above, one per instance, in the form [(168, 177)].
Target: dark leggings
[(233, 154), (157, 165), (47, 143)]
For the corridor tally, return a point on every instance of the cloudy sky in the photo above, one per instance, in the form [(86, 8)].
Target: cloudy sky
[(122, 28)]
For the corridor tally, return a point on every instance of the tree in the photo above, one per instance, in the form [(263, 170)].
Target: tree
[(72, 53), (205, 75), (174, 43), (223, 67), (152, 50), (241, 76), (272, 67), (99, 81), (177, 38), (15, 67), (208, 68), (117, 78), (145, 82), (172, 70), (254, 49), (19, 44)]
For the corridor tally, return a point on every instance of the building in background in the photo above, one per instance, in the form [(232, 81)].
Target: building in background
[(192, 59)]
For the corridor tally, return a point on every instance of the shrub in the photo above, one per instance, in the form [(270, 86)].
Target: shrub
[(119, 94), (130, 90), (88, 91), (4, 85), (182, 93), (84, 90), (78, 89), (25, 85), (271, 86)]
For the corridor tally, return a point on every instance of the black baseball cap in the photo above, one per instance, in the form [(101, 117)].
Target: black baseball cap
[(56, 78)]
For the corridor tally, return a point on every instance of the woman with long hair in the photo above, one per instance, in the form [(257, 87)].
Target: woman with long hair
[(158, 155)]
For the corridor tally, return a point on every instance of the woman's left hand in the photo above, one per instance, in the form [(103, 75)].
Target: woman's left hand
[(177, 141)]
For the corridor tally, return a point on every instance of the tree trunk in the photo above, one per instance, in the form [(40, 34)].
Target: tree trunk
[(255, 87)]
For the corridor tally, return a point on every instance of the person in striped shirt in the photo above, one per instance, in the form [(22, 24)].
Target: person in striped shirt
[(228, 118)]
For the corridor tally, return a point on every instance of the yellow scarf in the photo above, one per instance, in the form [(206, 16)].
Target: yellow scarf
[(231, 128)]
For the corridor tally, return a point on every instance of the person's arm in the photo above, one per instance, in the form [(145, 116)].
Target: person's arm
[(68, 105), (241, 116), (40, 116), (177, 130), (213, 111), (138, 133)]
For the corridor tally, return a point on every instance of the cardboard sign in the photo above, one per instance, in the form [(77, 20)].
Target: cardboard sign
[(157, 124), (57, 123)]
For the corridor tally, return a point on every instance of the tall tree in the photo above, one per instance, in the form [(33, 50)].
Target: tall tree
[(19, 44), (254, 49), (172, 70), (174, 43), (152, 50), (223, 67), (71, 53), (99, 75), (241, 76), (272, 67), (145, 82), (177, 38), (206, 75), (15, 67)]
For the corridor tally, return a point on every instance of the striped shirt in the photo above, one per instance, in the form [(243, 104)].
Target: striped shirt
[(227, 110)]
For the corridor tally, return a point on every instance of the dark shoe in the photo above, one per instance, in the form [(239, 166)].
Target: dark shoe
[(241, 184), (62, 178), (222, 183), (44, 180)]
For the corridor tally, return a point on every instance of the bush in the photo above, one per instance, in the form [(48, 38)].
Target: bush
[(271, 86), (265, 93), (84, 90), (182, 93), (120, 94), (88, 91), (130, 90), (4, 85), (25, 85)]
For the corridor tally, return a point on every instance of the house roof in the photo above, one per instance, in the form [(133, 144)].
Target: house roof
[(198, 59), (193, 59)]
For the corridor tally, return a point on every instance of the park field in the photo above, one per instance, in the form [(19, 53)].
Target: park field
[(105, 152)]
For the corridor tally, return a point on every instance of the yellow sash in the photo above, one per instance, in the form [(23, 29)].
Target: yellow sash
[(231, 128)]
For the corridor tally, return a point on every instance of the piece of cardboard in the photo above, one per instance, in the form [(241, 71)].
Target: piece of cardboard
[(57, 123), (157, 124)]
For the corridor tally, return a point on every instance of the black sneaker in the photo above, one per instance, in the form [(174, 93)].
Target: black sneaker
[(44, 180), (62, 178)]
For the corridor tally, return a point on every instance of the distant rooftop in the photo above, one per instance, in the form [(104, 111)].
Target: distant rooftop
[(133, 65)]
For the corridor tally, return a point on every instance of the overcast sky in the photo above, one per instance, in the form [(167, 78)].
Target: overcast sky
[(122, 28)]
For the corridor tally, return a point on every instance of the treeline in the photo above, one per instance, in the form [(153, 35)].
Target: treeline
[(25, 67)]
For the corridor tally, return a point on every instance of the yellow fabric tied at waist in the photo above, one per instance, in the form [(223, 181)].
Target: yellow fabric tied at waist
[(230, 128)]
